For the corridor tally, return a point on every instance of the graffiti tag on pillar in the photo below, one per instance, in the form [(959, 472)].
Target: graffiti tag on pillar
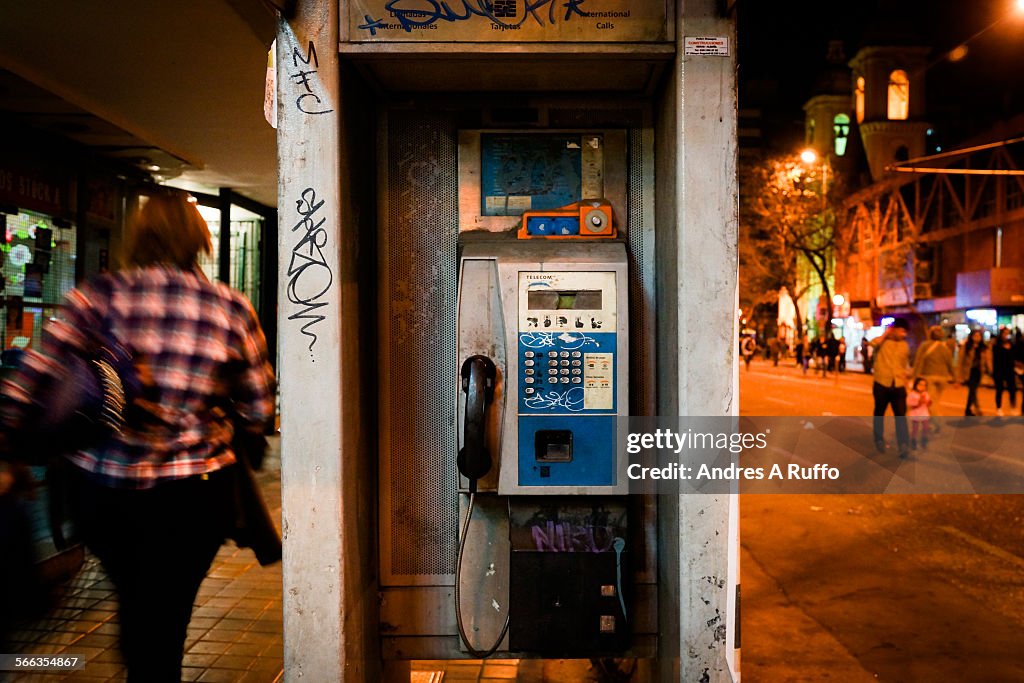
[(309, 102), (309, 274), (425, 14)]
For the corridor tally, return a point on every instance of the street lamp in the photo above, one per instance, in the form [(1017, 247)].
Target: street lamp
[(809, 157), (959, 52)]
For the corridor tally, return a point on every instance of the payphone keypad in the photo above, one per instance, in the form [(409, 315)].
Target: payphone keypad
[(571, 368), (558, 366)]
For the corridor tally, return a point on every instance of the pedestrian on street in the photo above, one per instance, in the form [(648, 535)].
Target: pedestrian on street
[(154, 502), (774, 350), (865, 355), (832, 352), (975, 361), (1018, 362), (748, 347), (918, 405), (1003, 371), (891, 369), (818, 352), (800, 351), (841, 362), (934, 362)]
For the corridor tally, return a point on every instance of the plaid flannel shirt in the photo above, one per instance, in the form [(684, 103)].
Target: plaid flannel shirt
[(185, 331)]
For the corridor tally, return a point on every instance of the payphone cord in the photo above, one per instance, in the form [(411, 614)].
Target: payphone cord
[(479, 654), (619, 544)]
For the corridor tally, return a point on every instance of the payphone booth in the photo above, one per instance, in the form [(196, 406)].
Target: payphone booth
[(510, 291)]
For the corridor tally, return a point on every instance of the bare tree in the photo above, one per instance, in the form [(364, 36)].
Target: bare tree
[(789, 220)]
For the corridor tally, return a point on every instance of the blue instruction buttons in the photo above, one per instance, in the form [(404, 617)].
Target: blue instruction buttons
[(552, 225)]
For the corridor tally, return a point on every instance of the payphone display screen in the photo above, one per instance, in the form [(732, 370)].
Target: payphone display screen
[(563, 300)]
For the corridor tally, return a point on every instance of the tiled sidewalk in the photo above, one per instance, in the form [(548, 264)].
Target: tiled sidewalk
[(235, 633)]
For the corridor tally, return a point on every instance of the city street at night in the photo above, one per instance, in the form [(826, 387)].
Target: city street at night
[(515, 290), (876, 587)]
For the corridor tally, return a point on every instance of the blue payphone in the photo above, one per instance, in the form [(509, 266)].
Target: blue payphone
[(542, 324), (543, 361)]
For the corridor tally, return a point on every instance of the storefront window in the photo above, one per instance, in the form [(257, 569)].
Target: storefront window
[(245, 254), (38, 270)]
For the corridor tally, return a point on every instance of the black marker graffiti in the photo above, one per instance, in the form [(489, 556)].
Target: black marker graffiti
[(309, 275), (302, 78)]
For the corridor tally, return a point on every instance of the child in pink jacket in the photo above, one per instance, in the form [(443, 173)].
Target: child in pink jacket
[(918, 402)]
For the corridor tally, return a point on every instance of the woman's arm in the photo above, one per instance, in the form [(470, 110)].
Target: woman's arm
[(254, 392)]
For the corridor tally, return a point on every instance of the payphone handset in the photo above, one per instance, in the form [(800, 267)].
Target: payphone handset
[(551, 317)]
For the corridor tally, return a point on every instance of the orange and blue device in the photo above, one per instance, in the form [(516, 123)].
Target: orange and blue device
[(583, 219)]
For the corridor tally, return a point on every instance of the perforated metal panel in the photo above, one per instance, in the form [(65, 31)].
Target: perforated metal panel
[(641, 272), (418, 473)]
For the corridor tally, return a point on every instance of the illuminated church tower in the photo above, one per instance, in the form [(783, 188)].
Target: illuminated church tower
[(889, 102), (828, 119)]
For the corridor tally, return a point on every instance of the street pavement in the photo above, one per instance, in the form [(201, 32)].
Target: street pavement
[(847, 588), (235, 635), (898, 588)]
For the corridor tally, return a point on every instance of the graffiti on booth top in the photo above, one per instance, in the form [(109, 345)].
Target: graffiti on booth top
[(309, 274), (302, 78), (422, 14)]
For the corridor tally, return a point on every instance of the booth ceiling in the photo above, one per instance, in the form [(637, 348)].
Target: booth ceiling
[(172, 84)]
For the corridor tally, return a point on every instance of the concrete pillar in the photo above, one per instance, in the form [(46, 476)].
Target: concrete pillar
[(328, 590), (697, 288)]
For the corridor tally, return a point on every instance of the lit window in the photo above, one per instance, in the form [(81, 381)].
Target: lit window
[(858, 99), (899, 95), (810, 131), (840, 133)]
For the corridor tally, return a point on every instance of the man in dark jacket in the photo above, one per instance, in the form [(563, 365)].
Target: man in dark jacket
[(891, 370)]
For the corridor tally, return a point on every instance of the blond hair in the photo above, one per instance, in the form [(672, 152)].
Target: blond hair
[(169, 230)]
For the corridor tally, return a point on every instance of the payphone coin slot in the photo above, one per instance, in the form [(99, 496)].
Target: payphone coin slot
[(553, 445)]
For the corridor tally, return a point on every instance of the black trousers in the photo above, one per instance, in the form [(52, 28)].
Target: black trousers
[(896, 396), (156, 545), (1008, 383), (973, 382)]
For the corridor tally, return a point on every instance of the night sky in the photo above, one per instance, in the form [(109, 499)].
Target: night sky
[(782, 48)]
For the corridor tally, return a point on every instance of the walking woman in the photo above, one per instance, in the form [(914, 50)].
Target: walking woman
[(934, 362), (1002, 370), (975, 361), (153, 503)]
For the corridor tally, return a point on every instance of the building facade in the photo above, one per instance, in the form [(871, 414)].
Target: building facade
[(938, 238)]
